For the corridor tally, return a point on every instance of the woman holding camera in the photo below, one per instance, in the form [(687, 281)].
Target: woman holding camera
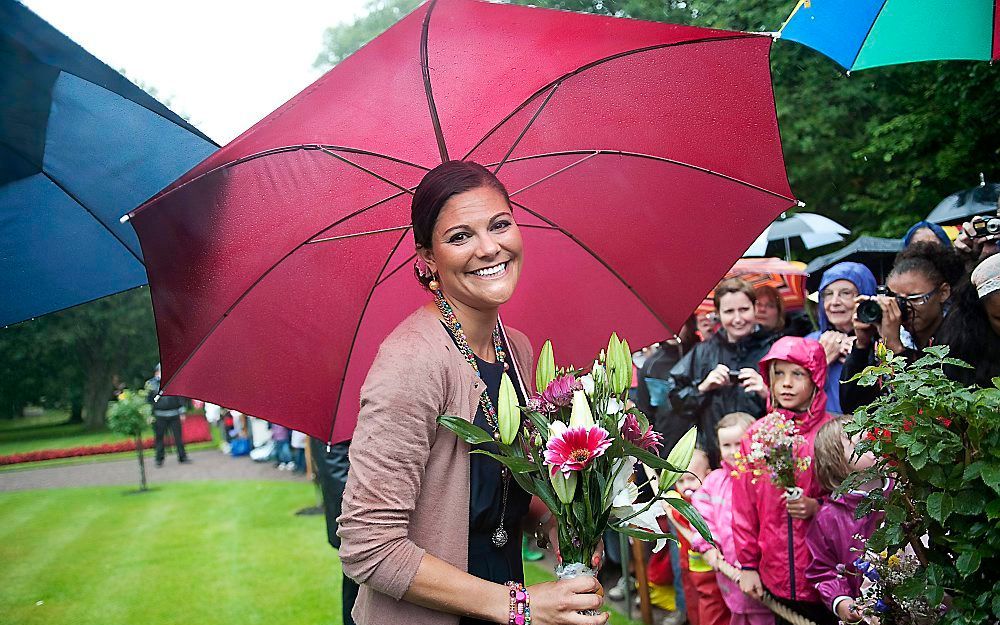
[(972, 328), (919, 291), (719, 375)]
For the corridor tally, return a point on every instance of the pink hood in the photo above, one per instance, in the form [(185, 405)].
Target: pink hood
[(806, 353)]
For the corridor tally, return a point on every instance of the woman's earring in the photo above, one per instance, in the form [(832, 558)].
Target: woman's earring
[(434, 285)]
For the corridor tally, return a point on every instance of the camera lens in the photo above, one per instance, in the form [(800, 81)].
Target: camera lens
[(993, 225), (869, 311)]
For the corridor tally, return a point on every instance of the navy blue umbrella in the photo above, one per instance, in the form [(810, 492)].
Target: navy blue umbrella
[(80, 146)]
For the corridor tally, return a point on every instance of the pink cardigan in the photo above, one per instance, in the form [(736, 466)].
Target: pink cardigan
[(408, 487)]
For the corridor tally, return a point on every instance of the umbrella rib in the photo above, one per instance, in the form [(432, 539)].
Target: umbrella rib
[(73, 197), (596, 257), (865, 38), (593, 64), (394, 271), (366, 170), (272, 152), (357, 234), (526, 128), (426, 71), (559, 171), (662, 159), (357, 329)]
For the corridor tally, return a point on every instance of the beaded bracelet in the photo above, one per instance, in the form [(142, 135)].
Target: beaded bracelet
[(520, 608)]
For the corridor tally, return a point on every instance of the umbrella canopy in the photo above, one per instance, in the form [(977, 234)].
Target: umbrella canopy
[(611, 135), (814, 231), (859, 34), (961, 205), (80, 146), (875, 253), (789, 278)]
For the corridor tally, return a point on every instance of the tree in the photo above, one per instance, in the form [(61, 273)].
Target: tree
[(875, 150), (342, 40), (128, 415)]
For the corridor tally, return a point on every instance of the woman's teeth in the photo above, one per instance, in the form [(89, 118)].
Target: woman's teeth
[(491, 271)]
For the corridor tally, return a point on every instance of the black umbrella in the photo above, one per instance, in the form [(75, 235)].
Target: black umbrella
[(962, 205), (875, 253)]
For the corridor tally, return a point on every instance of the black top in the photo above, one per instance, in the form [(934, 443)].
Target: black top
[(486, 561)]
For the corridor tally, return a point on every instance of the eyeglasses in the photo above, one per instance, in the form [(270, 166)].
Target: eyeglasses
[(921, 298)]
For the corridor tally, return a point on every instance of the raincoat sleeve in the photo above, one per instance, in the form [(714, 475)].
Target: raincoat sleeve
[(822, 569), (685, 396), (707, 501), (746, 518), (396, 429)]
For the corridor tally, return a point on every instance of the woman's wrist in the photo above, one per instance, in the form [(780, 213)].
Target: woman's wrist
[(518, 605)]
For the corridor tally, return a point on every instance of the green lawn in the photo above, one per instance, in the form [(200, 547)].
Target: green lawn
[(200, 553), (49, 431)]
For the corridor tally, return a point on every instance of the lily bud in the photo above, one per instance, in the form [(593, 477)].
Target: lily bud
[(564, 485), (580, 415), (622, 375), (508, 415), (545, 371), (880, 351), (556, 429), (679, 457)]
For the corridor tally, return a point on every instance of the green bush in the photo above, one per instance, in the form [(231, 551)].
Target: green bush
[(941, 443), (129, 415)]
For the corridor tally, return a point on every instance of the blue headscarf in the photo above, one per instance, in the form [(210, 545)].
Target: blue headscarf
[(936, 229), (859, 275)]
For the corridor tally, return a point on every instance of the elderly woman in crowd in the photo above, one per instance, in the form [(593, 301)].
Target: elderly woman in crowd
[(838, 288), (719, 375)]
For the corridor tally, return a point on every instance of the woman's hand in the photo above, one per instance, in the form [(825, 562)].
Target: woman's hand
[(802, 508), (753, 382), (751, 585), (560, 603), (864, 333), (596, 561), (716, 378), (833, 344)]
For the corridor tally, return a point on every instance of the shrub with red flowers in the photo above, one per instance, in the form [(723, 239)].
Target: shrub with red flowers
[(941, 443)]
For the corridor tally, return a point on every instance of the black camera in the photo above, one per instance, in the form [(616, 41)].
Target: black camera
[(986, 227), (734, 377), (870, 312)]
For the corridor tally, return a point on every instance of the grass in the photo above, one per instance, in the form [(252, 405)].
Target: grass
[(188, 552), (49, 431)]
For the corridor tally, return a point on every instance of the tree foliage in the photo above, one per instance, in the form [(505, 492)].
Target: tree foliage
[(875, 150)]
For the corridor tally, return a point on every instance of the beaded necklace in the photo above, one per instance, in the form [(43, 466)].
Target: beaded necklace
[(500, 536)]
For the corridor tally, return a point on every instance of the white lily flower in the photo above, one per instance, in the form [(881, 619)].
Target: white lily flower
[(621, 505), (556, 428), (580, 415), (647, 521), (621, 481), (615, 406), (588, 384)]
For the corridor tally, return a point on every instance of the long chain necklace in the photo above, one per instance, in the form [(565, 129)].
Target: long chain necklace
[(499, 537)]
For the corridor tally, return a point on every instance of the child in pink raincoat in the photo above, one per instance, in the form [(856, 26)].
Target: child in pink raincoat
[(715, 503), (771, 557)]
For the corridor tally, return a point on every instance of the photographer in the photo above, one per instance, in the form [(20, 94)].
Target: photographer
[(974, 242), (972, 328), (919, 288)]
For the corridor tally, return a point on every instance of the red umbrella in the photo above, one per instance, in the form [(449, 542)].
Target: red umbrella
[(642, 158)]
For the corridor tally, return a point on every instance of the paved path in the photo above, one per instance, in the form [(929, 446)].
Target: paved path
[(207, 464)]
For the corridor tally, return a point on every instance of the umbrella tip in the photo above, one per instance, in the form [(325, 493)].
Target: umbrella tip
[(773, 34), (800, 203), (124, 218), (982, 179)]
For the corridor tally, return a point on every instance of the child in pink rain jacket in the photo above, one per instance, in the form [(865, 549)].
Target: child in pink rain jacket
[(771, 557), (714, 500)]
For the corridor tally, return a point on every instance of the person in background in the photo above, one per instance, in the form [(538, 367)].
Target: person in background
[(697, 577), (332, 465), (795, 373), (974, 249), (168, 412), (720, 375), (282, 447), (922, 278), (770, 309), (714, 500), (708, 325), (972, 327), (839, 287), (655, 383), (836, 535), (926, 232), (298, 442)]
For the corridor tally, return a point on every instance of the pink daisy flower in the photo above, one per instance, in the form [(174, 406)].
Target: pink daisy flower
[(575, 448), (632, 432), (559, 392)]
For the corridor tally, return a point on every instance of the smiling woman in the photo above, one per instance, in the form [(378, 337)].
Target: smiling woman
[(426, 528)]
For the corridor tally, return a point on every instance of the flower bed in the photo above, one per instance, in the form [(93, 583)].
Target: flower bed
[(194, 429)]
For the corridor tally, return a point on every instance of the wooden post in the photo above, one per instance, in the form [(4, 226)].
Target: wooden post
[(639, 562)]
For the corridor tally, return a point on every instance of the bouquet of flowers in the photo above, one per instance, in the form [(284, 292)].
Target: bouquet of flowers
[(883, 593), (772, 452), (574, 446)]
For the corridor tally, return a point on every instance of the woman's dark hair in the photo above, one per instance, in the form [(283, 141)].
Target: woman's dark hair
[(733, 285), (967, 330), (769, 291), (939, 264), (438, 185)]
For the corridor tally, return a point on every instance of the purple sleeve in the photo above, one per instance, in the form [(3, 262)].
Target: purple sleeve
[(822, 570)]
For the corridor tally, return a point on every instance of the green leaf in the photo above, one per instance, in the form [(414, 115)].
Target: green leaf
[(895, 514), (648, 458), (543, 489), (969, 502), (635, 532), (973, 471), (694, 517), (939, 506), (968, 563), (991, 475), (957, 363), (466, 431), (517, 465), (993, 509)]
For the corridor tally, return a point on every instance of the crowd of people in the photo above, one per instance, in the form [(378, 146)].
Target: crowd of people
[(723, 372)]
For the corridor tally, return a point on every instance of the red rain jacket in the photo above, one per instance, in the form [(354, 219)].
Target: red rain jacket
[(760, 521)]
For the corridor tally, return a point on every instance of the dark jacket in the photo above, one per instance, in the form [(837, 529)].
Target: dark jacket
[(653, 392), (691, 407), (166, 405)]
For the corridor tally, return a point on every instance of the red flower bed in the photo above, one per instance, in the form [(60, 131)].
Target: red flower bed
[(194, 429)]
